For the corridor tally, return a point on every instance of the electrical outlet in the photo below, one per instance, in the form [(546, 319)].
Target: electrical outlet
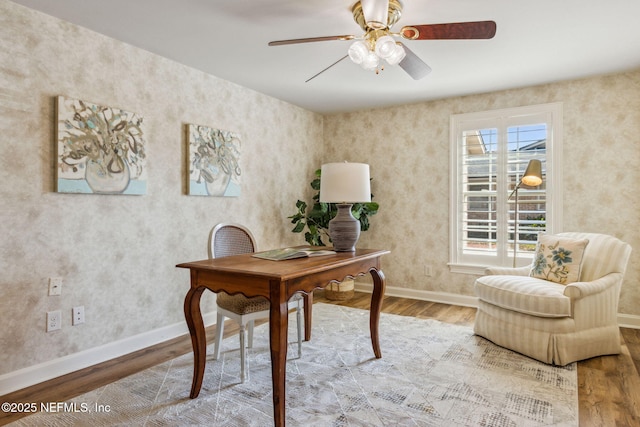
[(55, 286), (54, 320), (78, 315)]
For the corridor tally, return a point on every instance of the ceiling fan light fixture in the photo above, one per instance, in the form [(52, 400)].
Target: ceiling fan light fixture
[(358, 51), (375, 13), (376, 18), (385, 46), (397, 56), (371, 61), (368, 53)]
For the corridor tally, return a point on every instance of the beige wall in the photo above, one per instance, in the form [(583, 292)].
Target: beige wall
[(117, 254), (408, 150)]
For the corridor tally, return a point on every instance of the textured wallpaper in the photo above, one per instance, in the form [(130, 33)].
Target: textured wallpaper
[(408, 150), (117, 254)]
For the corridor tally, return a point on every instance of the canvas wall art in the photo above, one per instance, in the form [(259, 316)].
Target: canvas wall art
[(101, 149), (214, 162)]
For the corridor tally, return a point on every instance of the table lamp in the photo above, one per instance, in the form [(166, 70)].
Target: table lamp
[(344, 184), (532, 178)]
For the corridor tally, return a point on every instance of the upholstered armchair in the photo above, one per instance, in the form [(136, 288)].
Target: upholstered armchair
[(556, 323)]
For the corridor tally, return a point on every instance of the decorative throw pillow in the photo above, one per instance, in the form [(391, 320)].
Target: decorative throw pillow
[(558, 258)]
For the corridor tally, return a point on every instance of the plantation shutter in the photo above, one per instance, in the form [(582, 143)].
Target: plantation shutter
[(489, 155)]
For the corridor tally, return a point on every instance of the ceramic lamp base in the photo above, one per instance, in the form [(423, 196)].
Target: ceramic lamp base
[(344, 229)]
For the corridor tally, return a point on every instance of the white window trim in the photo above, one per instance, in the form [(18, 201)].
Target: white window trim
[(553, 164)]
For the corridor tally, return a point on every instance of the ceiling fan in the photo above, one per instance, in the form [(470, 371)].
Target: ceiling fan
[(376, 17)]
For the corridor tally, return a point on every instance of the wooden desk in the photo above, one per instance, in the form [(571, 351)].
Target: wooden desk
[(277, 281)]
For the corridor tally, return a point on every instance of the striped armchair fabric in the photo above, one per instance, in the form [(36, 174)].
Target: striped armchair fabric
[(554, 323)]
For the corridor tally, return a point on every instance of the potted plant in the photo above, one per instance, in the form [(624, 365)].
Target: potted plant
[(315, 223)]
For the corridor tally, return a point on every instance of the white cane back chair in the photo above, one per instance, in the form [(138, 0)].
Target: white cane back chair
[(235, 239)]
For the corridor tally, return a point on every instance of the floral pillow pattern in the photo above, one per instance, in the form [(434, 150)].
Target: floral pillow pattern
[(558, 259)]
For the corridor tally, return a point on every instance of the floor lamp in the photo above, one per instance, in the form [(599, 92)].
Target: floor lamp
[(532, 178)]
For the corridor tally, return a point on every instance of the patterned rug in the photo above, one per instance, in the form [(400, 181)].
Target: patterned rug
[(431, 374)]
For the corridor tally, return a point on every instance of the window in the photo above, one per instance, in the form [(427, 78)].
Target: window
[(490, 152)]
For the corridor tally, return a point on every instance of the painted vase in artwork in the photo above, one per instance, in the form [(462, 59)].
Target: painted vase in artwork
[(217, 185), (102, 179)]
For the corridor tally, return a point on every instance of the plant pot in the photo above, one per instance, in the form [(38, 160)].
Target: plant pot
[(340, 291)]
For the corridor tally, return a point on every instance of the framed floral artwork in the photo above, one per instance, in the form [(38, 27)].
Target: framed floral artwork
[(214, 162), (100, 149)]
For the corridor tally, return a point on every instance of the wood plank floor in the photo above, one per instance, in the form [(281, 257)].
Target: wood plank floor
[(609, 386)]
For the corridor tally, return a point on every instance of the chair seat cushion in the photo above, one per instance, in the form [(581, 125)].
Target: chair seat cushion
[(240, 304), (525, 295)]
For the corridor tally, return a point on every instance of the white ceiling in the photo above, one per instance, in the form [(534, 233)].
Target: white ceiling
[(537, 41)]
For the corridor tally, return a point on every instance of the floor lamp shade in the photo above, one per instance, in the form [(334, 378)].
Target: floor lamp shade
[(344, 184), (533, 175)]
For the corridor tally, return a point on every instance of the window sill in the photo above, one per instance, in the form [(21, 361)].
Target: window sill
[(478, 270)]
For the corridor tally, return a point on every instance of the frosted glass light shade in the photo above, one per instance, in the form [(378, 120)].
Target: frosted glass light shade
[(358, 51), (385, 46), (375, 13), (371, 61), (397, 55), (345, 183)]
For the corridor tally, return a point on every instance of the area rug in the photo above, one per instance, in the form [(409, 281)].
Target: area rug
[(431, 374)]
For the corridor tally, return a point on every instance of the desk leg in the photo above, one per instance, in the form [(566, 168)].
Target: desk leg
[(308, 307), (193, 317), (376, 306), (278, 326)]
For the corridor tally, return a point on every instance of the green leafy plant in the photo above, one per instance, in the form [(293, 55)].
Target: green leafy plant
[(316, 220)]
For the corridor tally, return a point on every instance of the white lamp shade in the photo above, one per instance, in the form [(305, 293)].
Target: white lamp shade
[(397, 55), (345, 183), (375, 13), (370, 62), (358, 51), (385, 46)]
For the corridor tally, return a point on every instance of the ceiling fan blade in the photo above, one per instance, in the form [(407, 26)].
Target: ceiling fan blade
[(316, 75), (413, 65), (310, 39), (457, 30)]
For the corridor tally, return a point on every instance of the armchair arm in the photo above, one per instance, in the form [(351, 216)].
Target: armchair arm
[(518, 271), (582, 289)]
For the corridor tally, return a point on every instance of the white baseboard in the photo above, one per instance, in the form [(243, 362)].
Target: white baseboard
[(624, 320), (36, 374), (628, 321), (32, 375), (441, 297)]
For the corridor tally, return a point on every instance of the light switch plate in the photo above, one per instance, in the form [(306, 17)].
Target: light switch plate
[(55, 286)]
